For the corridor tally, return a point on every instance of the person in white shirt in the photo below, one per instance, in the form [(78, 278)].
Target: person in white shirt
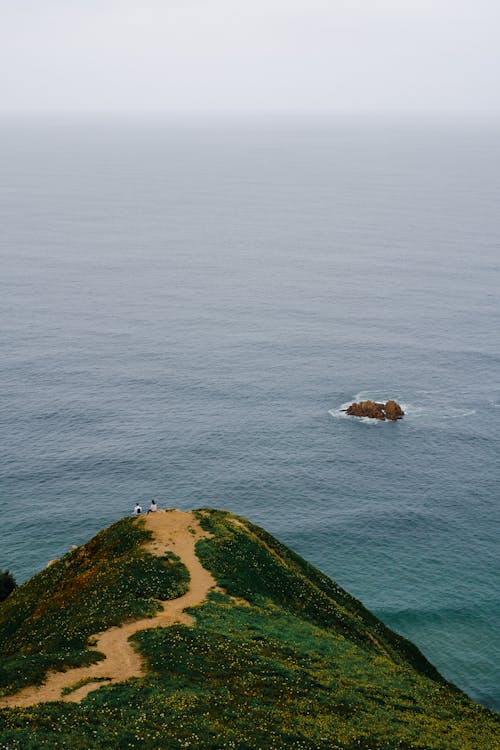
[(137, 510), (153, 507)]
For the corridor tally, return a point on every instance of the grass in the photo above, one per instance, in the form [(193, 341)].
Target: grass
[(82, 682), (258, 677), (250, 563), (290, 670), (45, 624)]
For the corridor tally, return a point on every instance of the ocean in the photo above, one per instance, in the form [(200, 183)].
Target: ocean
[(186, 304)]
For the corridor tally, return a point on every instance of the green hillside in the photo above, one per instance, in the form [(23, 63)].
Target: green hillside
[(278, 657), (46, 622)]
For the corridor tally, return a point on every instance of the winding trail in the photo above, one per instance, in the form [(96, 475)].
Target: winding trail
[(173, 530)]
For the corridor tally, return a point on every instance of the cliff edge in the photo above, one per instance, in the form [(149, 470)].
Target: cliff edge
[(198, 629)]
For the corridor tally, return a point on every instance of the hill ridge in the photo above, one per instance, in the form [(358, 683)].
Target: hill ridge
[(251, 648)]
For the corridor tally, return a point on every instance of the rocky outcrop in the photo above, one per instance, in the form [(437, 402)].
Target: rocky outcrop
[(374, 410), (393, 410)]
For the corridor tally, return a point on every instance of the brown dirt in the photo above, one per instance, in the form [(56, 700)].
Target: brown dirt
[(173, 530)]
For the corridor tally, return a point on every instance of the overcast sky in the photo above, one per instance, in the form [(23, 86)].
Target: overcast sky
[(379, 56)]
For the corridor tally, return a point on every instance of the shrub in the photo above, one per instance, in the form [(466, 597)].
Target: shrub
[(7, 584)]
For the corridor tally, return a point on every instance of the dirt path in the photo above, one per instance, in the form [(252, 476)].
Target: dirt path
[(173, 530)]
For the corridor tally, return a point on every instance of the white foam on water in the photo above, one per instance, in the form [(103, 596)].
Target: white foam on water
[(339, 412), (413, 412), (452, 413), (434, 408)]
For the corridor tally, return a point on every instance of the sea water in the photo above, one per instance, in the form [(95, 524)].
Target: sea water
[(186, 305)]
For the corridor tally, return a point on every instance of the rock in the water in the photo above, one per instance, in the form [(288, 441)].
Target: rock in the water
[(374, 410), (370, 409), (393, 410)]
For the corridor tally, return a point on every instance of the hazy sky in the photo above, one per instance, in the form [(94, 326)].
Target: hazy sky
[(220, 55)]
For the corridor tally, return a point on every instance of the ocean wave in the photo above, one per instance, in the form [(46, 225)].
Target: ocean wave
[(457, 413), (436, 411), (340, 414), (488, 612)]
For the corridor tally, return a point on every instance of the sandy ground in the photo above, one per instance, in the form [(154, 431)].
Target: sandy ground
[(173, 530)]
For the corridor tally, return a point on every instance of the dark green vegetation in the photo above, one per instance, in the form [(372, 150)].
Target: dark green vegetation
[(46, 622), (250, 563), (7, 584), (302, 665)]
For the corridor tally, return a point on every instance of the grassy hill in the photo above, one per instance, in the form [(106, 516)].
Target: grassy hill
[(278, 656)]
